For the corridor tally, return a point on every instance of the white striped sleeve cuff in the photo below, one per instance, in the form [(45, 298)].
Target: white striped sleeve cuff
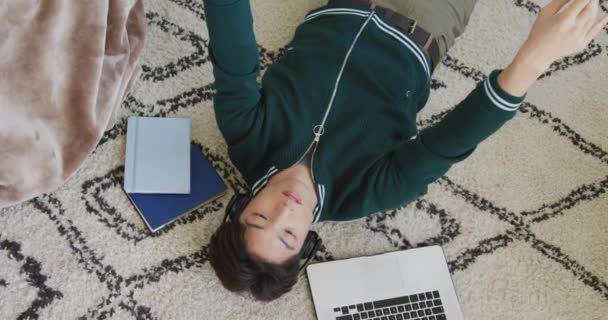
[(498, 96)]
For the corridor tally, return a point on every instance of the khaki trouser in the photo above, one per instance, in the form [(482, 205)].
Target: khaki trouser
[(445, 19)]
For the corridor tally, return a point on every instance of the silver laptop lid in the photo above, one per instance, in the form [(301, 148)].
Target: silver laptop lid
[(411, 283)]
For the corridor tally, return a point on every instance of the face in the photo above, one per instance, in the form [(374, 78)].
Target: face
[(278, 219)]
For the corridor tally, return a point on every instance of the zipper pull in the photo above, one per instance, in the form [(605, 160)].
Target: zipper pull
[(318, 131)]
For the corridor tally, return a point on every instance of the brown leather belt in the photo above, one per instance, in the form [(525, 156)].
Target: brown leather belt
[(424, 39)]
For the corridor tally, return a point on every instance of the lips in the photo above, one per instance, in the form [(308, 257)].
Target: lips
[(293, 196)]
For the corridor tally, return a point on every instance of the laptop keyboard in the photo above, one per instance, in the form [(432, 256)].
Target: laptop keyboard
[(421, 306)]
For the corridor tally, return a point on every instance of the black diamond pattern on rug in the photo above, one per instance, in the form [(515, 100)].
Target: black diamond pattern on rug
[(472, 224), (30, 277)]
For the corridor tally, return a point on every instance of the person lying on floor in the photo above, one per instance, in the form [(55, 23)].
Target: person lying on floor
[(330, 134)]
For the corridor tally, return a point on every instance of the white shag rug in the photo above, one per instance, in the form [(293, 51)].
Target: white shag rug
[(523, 222)]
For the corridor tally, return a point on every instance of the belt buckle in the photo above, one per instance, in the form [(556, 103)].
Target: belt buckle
[(412, 26)]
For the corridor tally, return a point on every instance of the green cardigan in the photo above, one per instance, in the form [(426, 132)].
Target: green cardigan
[(371, 156)]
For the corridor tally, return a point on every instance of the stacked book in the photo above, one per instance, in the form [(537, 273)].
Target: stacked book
[(166, 175)]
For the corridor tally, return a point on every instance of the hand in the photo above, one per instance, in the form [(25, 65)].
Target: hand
[(562, 30), (556, 33)]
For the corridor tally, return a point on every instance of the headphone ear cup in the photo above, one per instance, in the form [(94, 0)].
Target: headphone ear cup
[(311, 246), (312, 243), (235, 206)]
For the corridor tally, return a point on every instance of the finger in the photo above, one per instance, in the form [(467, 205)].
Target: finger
[(575, 8), (589, 13), (592, 33), (554, 6)]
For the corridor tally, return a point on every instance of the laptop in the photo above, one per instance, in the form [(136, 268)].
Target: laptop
[(403, 285)]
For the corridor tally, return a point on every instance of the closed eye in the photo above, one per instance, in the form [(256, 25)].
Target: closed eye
[(290, 233), (257, 214)]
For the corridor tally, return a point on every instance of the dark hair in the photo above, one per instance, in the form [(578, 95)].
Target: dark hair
[(238, 270)]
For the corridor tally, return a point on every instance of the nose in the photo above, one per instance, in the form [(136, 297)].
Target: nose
[(283, 210), (283, 206)]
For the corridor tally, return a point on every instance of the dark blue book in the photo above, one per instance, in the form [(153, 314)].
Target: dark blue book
[(206, 185)]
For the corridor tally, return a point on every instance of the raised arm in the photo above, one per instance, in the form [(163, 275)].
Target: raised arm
[(557, 32), (235, 57), (405, 173)]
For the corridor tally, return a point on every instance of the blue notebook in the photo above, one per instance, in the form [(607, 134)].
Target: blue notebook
[(157, 210), (157, 158)]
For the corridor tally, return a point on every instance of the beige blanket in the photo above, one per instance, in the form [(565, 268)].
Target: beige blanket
[(65, 66)]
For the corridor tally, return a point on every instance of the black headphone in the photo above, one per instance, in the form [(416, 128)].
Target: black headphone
[(237, 204)]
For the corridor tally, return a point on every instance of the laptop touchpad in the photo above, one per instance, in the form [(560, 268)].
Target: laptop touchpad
[(378, 277)]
